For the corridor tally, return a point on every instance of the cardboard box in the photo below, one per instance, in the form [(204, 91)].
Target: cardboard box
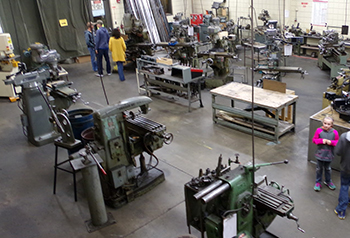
[(83, 59), (166, 61)]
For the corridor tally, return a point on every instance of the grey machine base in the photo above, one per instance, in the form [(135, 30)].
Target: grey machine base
[(91, 227), (145, 183)]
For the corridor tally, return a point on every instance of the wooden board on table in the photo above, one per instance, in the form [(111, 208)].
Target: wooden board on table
[(262, 97), (274, 85)]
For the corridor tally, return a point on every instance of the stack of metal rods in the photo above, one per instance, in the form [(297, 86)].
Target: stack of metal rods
[(161, 20), (153, 17)]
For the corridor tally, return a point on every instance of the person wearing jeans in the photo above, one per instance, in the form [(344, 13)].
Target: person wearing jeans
[(90, 43), (343, 150), (117, 47), (102, 39)]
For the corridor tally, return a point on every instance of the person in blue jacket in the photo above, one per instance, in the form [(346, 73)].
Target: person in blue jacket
[(90, 43), (102, 40), (343, 150)]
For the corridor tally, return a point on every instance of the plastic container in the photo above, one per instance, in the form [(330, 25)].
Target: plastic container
[(80, 120), (87, 135)]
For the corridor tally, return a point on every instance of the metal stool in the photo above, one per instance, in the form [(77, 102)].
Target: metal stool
[(59, 143), (68, 142)]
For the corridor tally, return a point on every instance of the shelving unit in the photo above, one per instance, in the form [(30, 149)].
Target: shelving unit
[(166, 84)]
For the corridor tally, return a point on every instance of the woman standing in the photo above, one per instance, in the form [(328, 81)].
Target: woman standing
[(117, 47)]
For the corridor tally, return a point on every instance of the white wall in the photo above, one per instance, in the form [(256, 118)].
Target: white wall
[(184, 6), (336, 11)]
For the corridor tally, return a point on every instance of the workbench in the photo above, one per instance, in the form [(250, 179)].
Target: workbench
[(229, 103), (334, 63), (315, 122), (167, 85), (310, 44)]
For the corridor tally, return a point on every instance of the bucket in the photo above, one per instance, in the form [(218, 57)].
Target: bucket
[(87, 135), (80, 120)]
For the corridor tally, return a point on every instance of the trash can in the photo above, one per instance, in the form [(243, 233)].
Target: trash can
[(80, 120)]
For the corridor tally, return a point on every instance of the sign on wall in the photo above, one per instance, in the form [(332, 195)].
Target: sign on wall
[(319, 12), (97, 8)]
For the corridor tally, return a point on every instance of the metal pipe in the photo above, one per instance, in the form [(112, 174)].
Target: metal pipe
[(208, 189), (220, 190), (94, 195)]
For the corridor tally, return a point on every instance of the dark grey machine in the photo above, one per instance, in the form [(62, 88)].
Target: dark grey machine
[(39, 101)]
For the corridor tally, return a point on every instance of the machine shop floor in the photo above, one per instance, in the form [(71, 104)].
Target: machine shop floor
[(29, 209)]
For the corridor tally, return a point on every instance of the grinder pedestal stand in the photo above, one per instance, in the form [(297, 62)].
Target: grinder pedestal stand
[(88, 165)]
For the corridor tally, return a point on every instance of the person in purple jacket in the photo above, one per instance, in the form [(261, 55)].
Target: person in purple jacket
[(326, 138)]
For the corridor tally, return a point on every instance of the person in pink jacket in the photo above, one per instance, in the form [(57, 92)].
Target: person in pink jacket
[(117, 47), (326, 138)]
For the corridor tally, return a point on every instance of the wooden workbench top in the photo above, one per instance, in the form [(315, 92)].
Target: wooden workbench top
[(262, 97), (329, 111), (256, 45)]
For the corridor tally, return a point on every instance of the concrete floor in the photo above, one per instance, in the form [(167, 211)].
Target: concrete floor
[(29, 209)]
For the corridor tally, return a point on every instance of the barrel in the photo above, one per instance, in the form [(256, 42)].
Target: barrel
[(80, 120)]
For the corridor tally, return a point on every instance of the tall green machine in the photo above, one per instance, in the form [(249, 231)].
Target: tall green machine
[(223, 203)]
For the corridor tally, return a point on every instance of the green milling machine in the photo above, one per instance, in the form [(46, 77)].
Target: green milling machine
[(224, 204)]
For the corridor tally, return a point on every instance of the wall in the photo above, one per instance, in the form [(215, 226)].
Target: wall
[(184, 6), (336, 11)]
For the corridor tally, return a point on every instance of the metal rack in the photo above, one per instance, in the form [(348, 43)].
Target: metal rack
[(165, 84)]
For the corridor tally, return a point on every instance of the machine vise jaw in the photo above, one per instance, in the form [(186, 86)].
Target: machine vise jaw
[(125, 105), (27, 79)]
